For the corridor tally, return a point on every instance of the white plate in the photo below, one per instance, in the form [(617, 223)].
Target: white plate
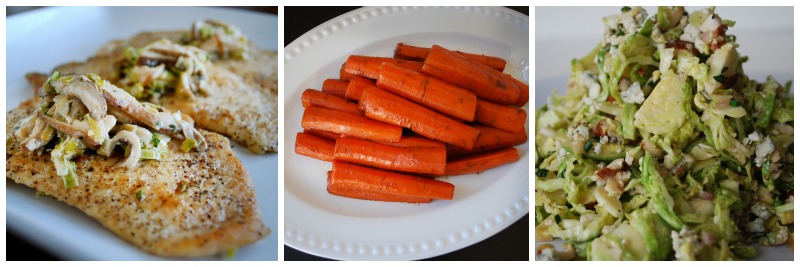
[(42, 39), (765, 34), (335, 227)]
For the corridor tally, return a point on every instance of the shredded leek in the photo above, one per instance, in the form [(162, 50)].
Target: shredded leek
[(188, 144)]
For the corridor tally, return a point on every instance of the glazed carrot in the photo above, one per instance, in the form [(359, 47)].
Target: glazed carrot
[(384, 106), (523, 91), (344, 191), (423, 160), (350, 124), (324, 134), (370, 66), (489, 139), (407, 52), (356, 87), (316, 98), (415, 141), (344, 76), (506, 118), (335, 87), (485, 82), (428, 91), (481, 162), (314, 147), (386, 182)]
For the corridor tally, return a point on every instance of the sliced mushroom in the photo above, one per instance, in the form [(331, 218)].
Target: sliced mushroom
[(24, 127), (143, 134), (146, 74), (76, 130), (127, 104), (134, 153), (180, 127), (83, 89), (121, 116), (33, 133)]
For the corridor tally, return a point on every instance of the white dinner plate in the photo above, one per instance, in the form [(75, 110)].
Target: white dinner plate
[(330, 226), (42, 39), (765, 34)]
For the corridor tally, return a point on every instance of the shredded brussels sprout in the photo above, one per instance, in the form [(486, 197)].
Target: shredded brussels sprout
[(662, 148)]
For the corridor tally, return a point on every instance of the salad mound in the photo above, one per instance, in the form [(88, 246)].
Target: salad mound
[(662, 148)]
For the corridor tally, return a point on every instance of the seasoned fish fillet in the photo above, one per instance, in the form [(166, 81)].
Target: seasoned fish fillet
[(260, 70), (215, 211), (243, 107), (234, 109)]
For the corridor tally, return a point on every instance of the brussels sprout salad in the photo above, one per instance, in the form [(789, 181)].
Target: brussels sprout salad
[(662, 148)]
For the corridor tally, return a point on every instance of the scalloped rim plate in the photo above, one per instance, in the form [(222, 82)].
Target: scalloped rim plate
[(484, 204)]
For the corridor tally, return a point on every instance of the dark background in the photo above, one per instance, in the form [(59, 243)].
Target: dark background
[(510, 244), (17, 247)]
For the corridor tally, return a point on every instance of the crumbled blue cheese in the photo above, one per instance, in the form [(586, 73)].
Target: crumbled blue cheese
[(547, 254), (761, 210), (591, 85), (597, 148), (629, 157), (578, 133), (782, 235), (685, 242), (763, 150), (690, 34), (562, 153), (753, 137), (633, 95), (666, 59), (756, 226)]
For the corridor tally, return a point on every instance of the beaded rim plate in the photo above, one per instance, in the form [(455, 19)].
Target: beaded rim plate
[(330, 226)]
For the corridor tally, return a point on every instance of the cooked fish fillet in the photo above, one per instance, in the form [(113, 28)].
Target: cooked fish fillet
[(235, 109), (260, 70), (244, 107), (215, 212)]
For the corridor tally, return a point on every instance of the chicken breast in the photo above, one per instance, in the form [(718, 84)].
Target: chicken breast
[(243, 105), (189, 205)]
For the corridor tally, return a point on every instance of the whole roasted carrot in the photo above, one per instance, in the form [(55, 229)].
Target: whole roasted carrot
[(350, 124), (506, 118), (428, 91), (387, 182), (416, 141), (356, 87), (331, 136), (344, 76), (335, 87), (384, 106), (370, 66), (489, 139), (481, 162), (485, 82), (316, 98), (345, 191), (407, 52), (314, 147), (523, 91), (424, 160)]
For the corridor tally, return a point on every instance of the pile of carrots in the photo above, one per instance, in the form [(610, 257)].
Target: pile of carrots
[(392, 125)]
